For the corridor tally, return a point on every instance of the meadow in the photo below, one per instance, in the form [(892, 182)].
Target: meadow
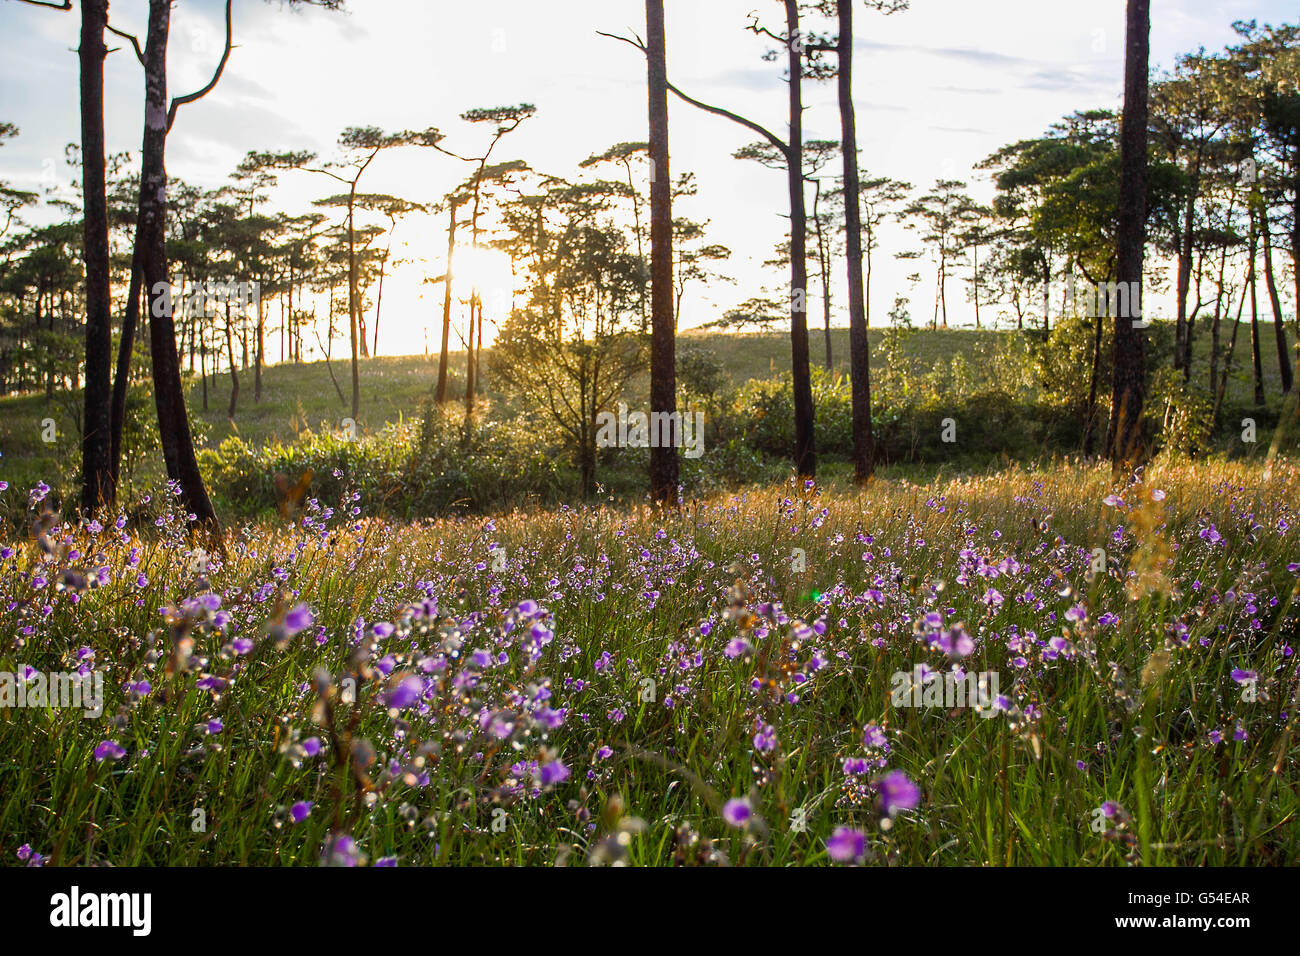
[(710, 685)]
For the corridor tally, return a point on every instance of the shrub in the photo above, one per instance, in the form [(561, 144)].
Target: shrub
[(376, 465)]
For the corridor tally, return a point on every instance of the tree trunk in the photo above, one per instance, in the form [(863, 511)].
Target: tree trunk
[(352, 302), (379, 296), (97, 486), (805, 454), (1182, 342), (1295, 239), (1216, 324), (1128, 391), (478, 352), (1047, 291), (636, 211), (859, 345), (234, 373), (1279, 326), (169, 392), (1227, 357), (203, 370), (469, 362), (663, 355), (125, 349), (1090, 412), (258, 354), (1256, 358), (441, 395), (824, 271), (943, 285)]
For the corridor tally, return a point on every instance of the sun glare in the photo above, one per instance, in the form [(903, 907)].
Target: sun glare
[(487, 270)]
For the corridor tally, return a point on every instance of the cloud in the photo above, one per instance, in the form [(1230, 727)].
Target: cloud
[(747, 79), (961, 54), (970, 90)]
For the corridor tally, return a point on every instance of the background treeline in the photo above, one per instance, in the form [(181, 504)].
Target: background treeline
[(512, 418)]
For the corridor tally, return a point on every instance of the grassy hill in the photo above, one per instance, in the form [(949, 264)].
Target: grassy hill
[(299, 397)]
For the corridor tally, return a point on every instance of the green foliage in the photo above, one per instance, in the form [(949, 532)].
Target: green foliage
[(140, 438), (489, 465), (243, 476), (1180, 413), (700, 371), (994, 412)]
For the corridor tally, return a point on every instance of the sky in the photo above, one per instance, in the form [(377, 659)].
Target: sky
[(937, 88)]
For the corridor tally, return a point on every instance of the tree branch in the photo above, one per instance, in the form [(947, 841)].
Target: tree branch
[(135, 42), (716, 110), (178, 101)]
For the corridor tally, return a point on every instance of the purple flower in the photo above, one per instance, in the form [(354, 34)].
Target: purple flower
[(856, 765), (846, 845), (737, 811), (737, 647), (1244, 676), (340, 850), (550, 718), (300, 810), (897, 792), (109, 750), (299, 619), (311, 746), (553, 773), (407, 692)]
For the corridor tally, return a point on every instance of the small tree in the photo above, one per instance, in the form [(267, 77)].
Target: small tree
[(570, 371)]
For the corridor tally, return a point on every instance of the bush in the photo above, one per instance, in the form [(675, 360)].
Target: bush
[(244, 477), (1178, 414), (490, 465)]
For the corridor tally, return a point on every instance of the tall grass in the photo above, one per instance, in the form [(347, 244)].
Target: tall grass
[(603, 684)]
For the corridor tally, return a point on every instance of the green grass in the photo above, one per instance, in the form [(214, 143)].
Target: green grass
[(1112, 720)]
